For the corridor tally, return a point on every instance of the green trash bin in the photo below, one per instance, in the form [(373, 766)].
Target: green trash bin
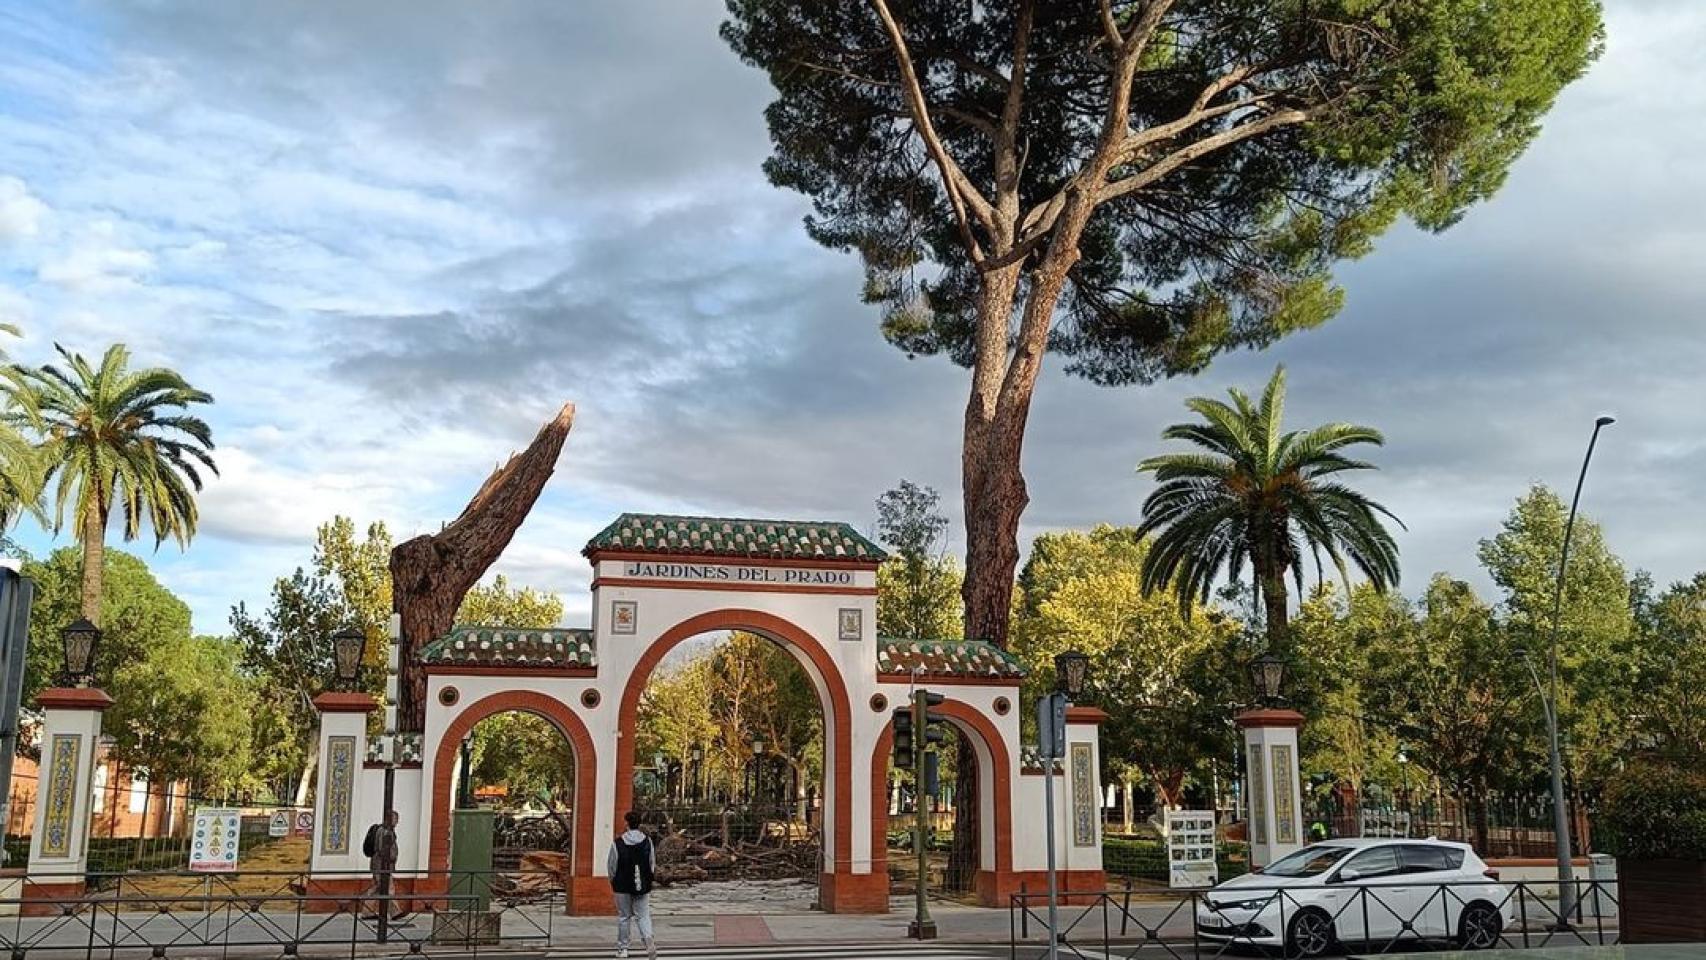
[(471, 860)]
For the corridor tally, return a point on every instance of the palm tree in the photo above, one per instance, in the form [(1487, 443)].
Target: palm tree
[(1260, 496), (111, 434), (20, 472)]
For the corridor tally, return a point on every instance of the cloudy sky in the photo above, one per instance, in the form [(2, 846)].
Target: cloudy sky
[(391, 238)]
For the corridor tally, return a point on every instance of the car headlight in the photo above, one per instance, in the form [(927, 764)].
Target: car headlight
[(1255, 903)]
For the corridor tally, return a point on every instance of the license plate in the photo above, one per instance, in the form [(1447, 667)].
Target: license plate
[(1215, 922)]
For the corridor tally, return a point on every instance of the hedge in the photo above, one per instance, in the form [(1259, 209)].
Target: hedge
[(1654, 810)]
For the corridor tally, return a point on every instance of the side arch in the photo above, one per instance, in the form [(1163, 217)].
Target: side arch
[(992, 884), (838, 713), (567, 723)]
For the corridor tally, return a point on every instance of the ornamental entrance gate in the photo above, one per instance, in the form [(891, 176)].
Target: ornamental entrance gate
[(810, 588)]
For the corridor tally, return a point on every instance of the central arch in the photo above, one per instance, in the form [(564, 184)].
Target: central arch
[(832, 688)]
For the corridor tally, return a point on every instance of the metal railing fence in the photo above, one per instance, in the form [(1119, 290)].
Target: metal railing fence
[(286, 915), (1290, 921)]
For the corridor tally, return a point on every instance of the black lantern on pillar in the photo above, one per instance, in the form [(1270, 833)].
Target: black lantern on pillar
[(1071, 671), (80, 640), (347, 647), (1267, 673)]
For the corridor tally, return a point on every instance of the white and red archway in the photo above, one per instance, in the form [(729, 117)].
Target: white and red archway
[(657, 581)]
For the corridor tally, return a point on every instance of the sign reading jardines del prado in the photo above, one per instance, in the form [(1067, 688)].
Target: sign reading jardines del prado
[(657, 581)]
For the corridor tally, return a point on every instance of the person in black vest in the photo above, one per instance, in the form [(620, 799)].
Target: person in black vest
[(630, 866)]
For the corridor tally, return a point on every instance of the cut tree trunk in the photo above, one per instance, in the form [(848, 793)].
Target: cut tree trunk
[(431, 574)]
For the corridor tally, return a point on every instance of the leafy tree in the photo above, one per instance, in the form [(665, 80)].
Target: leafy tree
[(1335, 638), (528, 755), (361, 570), (745, 688), (1451, 686), (288, 650), (918, 589), (1261, 496), (112, 434), (501, 604), (1158, 673), (1137, 185), (1595, 636), (174, 721), (141, 613), (1670, 669), (175, 694)]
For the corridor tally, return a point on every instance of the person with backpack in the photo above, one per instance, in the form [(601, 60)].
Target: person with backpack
[(380, 848), (631, 863)]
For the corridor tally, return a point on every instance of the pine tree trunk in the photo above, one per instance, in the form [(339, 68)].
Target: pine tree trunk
[(964, 852), (1004, 379), (431, 574), (94, 535)]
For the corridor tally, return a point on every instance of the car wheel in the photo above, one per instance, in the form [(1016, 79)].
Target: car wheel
[(1479, 927), (1310, 934)]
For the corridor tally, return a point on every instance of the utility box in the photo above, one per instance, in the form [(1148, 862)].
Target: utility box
[(471, 860)]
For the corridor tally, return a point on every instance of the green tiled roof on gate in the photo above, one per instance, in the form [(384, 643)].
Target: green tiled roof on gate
[(947, 658), (737, 539), (470, 645)]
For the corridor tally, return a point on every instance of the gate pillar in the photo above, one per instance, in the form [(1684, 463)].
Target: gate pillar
[(1275, 796), (59, 848), (342, 808)]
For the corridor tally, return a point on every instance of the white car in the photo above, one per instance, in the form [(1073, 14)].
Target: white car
[(1343, 891)]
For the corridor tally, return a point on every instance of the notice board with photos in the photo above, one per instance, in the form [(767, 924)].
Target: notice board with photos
[(1190, 849)]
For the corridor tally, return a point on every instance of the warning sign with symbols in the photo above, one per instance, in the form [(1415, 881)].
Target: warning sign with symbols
[(214, 839), (279, 825)]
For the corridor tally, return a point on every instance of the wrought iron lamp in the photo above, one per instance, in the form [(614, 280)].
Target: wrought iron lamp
[(1267, 675), (1071, 672), (80, 640), (347, 648)]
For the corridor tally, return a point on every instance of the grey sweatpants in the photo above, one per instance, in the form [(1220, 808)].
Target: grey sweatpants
[(637, 909)]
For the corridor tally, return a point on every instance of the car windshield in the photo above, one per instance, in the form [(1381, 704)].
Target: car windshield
[(1308, 862)]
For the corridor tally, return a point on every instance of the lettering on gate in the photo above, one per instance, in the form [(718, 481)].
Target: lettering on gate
[(736, 574)]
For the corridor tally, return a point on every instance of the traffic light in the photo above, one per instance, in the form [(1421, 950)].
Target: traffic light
[(903, 737), (932, 774), (935, 724)]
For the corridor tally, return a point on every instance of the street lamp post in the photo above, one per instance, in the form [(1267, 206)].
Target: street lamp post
[(1560, 815), (1071, 669)]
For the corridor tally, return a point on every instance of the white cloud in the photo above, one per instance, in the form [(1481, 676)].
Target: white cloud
[(100, 259), (21, 214), (253, 500)]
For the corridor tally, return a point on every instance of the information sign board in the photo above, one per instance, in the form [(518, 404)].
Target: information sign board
[(1190, 849)]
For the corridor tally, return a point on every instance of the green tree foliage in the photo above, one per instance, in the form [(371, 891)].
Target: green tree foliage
[(1669, 692), (1596, 659), (175, 708), (175, 694), (918, 589), (1163, 677), (1450, 685), (1261, 496), (744, 689), (1137, 185), (111, 435), (288, 651), (528, 756), (1335, 641), (500, 604)]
